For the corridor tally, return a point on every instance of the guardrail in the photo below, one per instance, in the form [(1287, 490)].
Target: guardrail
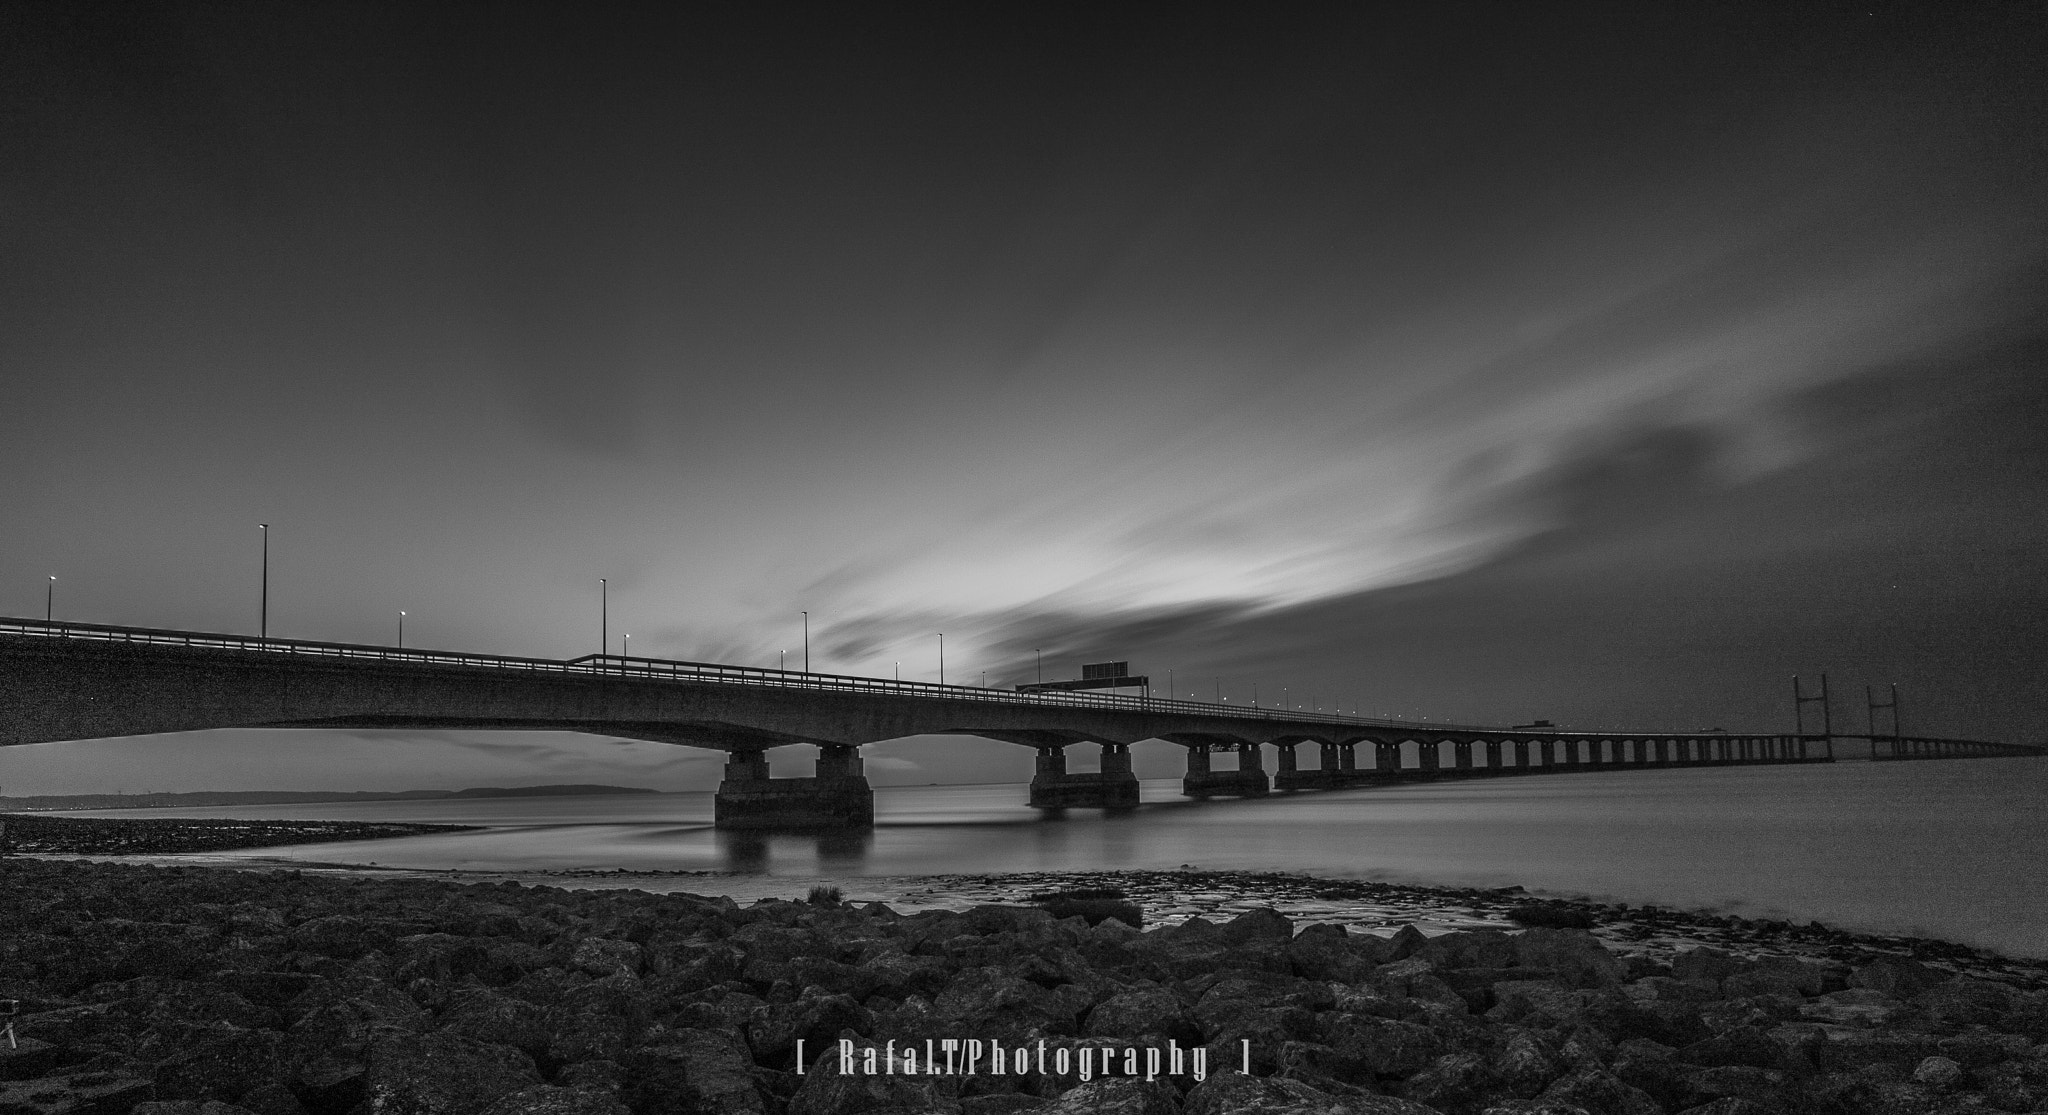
[(663, 669)]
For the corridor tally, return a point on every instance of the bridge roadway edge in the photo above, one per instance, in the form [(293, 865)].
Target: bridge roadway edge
[(54, 689)]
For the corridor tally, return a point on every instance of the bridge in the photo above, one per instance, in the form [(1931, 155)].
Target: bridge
[(69, 681)]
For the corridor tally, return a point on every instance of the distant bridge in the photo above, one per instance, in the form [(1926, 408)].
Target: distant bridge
[(67, 681)]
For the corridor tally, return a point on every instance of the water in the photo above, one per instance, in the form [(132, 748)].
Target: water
[(1938, 849)]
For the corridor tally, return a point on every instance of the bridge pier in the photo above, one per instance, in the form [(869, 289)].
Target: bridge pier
[(837, 797), (1114, 787), (1248, 780)]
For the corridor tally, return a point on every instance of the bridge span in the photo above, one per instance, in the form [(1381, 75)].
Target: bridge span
[(68, 681)]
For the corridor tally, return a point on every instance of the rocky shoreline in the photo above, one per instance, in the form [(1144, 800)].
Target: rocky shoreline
[(167, 836), (195, 991)]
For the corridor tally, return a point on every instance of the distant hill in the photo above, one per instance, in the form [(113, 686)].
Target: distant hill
[(41, 802)]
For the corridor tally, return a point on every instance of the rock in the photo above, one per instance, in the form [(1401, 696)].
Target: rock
[(1554, 915), (1457, 1082), (1937, 1072), (547, 1099), (1374, 1047), (74, 1093), (815, 1018), (1264, 923), (1235, 1094), (1963, 1001), (1325, 952), (693, 1070), (1578, 958), (1768, 1088), (1732, 1105), (222, 1066), (1896, 976), (1704, 963), (1114, 1096), (342, 936), (1744, 1045), (1138, 1014), (1404, 944), (1526, 1065), (443, 1074), (1599, 1092), (825, 1092), (598, 1020), (1776, 975), (272, 1098), (1848, 1051), (495, 1019), (600, 957)]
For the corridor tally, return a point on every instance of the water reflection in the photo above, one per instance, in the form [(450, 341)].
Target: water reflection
[(823, 853)]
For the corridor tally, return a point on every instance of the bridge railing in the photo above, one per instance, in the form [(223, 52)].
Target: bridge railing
[(663, 669)]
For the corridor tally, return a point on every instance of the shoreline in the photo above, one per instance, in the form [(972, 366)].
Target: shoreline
[(294, 991), (1167, 897)]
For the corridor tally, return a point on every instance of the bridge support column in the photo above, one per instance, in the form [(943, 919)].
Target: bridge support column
[(1493, 765), (1522, 755), (1429, 755), (1288, 775), (1386, 758), (837, 797), (1663, 752), (1461, 756), (1248, 780), (1115, 787), (1546, 750)]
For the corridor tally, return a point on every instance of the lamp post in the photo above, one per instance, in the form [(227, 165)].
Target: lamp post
[(625, 646), (1041, 664), (263, 606), (942, 658), (604, 591), (401, 629), (50, 599), (807, 642), (782, 661)]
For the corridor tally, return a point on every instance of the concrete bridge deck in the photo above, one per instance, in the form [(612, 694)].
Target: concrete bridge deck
[(61, 681)]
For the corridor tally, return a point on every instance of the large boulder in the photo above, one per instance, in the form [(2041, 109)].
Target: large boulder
[(693, 1070), (1576, 957), (1147, 1015), (825, 1092), (1236, 1094), (443, 1074)]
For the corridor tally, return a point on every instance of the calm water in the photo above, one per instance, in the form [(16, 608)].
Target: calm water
[(1944, 849)]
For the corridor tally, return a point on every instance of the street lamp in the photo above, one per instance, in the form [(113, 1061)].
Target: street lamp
[(942, 658), (807, 642), (604, 590), (401, 629), (1041, 666), (50, 599), (263, 607), (625, 646)]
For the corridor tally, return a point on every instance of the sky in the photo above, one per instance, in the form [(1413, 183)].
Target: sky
[(1607, 364)]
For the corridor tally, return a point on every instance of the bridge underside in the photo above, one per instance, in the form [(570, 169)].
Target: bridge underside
[(57, 689)]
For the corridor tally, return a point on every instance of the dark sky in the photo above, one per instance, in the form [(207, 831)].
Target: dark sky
[(1608, 365)]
